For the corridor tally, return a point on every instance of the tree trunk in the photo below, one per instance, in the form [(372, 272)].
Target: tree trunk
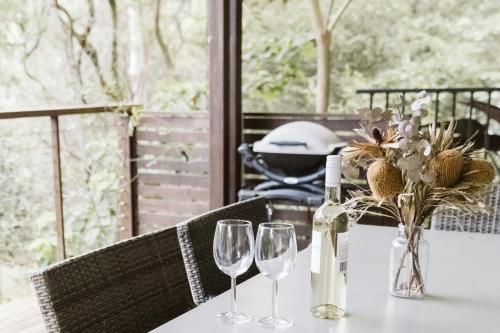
[(137, 57), (323, 41)]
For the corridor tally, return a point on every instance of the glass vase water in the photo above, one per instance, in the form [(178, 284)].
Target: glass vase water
[(408, 263)]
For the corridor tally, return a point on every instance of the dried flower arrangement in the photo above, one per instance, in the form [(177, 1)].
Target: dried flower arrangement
[(411, 171)]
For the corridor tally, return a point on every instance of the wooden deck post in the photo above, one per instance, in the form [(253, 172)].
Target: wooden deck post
[(126, 209), (134, 191), (58, 192), (224, 27)]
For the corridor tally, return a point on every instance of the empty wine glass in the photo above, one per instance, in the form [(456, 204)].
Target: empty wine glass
[(233, 250), (275, 253)]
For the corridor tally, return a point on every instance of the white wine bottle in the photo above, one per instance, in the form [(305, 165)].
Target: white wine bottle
[(330, 240)]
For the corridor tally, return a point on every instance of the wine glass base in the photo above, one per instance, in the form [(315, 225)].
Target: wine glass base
[(274, 322), (233, 317)]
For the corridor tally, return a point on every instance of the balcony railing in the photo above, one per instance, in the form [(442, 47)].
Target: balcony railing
[(466, 99), (54, 114)]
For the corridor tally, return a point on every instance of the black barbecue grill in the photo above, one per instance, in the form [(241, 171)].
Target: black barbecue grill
[(292, 157)]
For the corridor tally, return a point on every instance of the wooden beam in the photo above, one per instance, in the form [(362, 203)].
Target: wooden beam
[(224, 27), (134, 193), (126, 218), (58, 194), (66, 111), (235, 107)]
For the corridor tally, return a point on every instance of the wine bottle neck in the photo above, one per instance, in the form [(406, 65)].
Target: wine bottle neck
[(332, 193)]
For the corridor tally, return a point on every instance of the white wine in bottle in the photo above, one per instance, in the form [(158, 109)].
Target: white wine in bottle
[(330, 240)]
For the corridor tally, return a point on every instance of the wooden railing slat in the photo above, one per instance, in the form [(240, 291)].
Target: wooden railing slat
[(197, 167), (292, 215), (169, 192), (173, 151), (153, 221), (170, 114), (165, 122), (58, 195), (65, 111), (185, 137), (179, 180), (172, 206)]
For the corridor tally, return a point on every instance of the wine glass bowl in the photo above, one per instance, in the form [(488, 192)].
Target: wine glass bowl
[(233, 251), (275, 254), (276, 250), (233, 246)]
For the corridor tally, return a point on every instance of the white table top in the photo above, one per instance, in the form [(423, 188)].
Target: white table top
[(463, 291)]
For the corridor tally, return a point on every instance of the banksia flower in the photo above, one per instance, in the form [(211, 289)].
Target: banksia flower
[(384, 179), (448, 166), (480, 172)]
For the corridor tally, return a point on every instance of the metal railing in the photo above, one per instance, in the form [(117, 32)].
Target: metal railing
[(437, 95), (54, 114)]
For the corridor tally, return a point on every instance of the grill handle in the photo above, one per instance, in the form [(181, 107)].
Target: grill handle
[(253, 161), (289, 143)]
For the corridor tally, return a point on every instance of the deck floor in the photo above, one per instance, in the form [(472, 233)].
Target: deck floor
[(21, 316)]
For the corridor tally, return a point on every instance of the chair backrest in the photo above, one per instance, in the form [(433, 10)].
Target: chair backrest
[(132, 286), (196, 239), (454, 220)]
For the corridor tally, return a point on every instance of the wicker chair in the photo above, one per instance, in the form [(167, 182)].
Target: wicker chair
[(196, 239), (453, 220), (132, 286)]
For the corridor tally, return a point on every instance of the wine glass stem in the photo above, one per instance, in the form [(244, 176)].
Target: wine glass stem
[(233, 294), (275, 298)]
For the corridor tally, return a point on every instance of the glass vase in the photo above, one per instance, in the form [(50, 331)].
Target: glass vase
[(408, 263)]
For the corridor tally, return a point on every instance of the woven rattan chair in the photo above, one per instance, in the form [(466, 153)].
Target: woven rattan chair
[(132, 286), (453, 220), (196, 239)]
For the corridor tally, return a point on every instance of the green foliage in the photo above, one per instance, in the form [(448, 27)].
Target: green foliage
[(91, 171), (39, 54), (182, 97), (44, 245), (279, 65), (377, 44)]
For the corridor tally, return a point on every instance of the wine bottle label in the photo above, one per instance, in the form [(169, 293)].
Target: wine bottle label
[(316, 251), (342, 251)]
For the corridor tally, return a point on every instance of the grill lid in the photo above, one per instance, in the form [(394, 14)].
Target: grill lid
[(300, 138)]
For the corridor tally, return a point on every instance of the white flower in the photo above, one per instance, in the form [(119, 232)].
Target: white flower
[(364, 134), (422, 100), (404, 144), (407, 130), (424, 147), (395, 145), (420, 113), (421, 94), (350, 171), (410, 163), (415, 120)]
